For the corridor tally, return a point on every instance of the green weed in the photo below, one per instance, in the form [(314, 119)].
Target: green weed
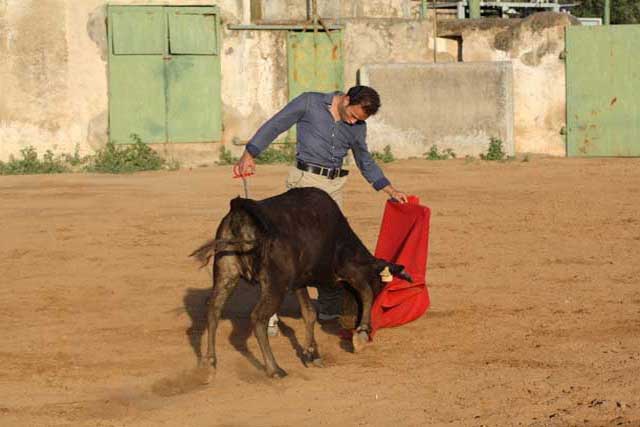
[(385, 157), (435, 154), (126, 158), (495, 150), (30, 163)]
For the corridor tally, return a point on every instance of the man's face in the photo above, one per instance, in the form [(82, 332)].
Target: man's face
[(351, 113)]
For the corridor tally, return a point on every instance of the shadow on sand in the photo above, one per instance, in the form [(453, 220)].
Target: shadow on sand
[(237, 309)]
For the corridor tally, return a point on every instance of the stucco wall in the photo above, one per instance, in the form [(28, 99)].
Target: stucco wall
[(278, 10), (534, 46), (457, 105), (53, 71)]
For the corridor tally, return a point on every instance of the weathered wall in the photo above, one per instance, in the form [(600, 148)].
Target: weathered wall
[(53, 73), (34, 70), (278, 10), (53, 70), (457, 105), (387, 41), (534, 46)]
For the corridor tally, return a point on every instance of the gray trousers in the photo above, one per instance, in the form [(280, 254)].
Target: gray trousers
[(329, 299)]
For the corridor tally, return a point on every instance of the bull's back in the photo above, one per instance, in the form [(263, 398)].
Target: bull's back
[(299, 230)]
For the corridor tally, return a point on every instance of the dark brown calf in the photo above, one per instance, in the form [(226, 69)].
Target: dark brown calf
[(288, 242)]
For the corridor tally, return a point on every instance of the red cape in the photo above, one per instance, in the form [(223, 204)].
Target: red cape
[(403, 239)]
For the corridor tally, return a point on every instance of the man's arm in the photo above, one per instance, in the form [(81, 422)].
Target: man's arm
[(371, 171), (269, 131)]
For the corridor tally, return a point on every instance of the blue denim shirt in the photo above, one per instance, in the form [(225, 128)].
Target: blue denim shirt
[(321, 140)]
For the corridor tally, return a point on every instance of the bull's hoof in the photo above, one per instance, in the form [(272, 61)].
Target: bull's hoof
[(312, 360), (278, 373), (359, 341)]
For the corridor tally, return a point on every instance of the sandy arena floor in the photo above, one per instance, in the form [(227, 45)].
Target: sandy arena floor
[(534, 275)]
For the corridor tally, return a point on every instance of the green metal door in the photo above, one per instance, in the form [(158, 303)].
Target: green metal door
[(136, 74), (164, 74), (603, 90), (193, 75), (315, 63)]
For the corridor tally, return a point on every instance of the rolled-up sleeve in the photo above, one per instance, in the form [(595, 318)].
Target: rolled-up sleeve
[(370, 170), (279, 123)]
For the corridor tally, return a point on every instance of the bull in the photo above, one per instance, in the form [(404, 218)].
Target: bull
[(285, 243)]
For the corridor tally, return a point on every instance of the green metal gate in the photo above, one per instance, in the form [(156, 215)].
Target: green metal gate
[(164, 74), (315, 63), (603, 90)]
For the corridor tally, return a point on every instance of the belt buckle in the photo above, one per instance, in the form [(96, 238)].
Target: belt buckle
[(333, 173)]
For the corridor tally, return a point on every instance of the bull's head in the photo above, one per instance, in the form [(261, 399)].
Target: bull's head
[(385, 272), (379, 273)]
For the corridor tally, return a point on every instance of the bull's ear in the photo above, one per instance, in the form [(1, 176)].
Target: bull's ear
[(399, 271)]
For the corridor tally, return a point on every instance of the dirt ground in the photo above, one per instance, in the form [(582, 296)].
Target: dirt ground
[(533, 274)]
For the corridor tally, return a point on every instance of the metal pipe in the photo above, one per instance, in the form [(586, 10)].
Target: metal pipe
[(275, 27), (435, 33), (423, 9), (607, 12), (246, 11), (474, 9), (308, 10)]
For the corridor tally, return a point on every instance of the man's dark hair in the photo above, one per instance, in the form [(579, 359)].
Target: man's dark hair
[(365, 97)]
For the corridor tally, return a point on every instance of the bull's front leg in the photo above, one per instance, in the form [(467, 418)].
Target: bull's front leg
[(361, 336)]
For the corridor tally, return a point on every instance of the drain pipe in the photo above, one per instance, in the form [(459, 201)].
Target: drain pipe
[(474, 9), (246, 12), (423, 9), (308, 10)]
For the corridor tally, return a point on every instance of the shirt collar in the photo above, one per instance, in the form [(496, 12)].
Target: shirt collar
[(328, 97)]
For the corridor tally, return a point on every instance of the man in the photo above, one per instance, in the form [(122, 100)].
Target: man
[(328, 126)]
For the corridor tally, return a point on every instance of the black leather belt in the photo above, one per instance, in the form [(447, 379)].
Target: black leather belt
[(320, 170)]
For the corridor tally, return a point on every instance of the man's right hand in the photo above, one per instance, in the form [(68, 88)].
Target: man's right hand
[(246, 165)]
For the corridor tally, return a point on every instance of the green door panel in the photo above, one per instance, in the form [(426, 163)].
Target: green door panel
[(136, 81), (603, 90), (193, 31), (136, 99), (193, 76), (137, 30), (315, 63), (193, 99)]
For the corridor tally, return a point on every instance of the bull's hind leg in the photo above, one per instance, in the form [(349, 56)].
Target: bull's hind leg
[(310, 353), (225, 279), (270, 300)]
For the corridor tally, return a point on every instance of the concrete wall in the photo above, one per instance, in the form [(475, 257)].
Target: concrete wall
[(457, 105), (534, 46), (53, 69)]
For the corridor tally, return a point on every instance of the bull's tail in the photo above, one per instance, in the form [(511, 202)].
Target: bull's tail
[(205, 252)]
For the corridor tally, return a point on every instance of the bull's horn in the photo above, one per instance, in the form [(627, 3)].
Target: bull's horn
[(386, 275)]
